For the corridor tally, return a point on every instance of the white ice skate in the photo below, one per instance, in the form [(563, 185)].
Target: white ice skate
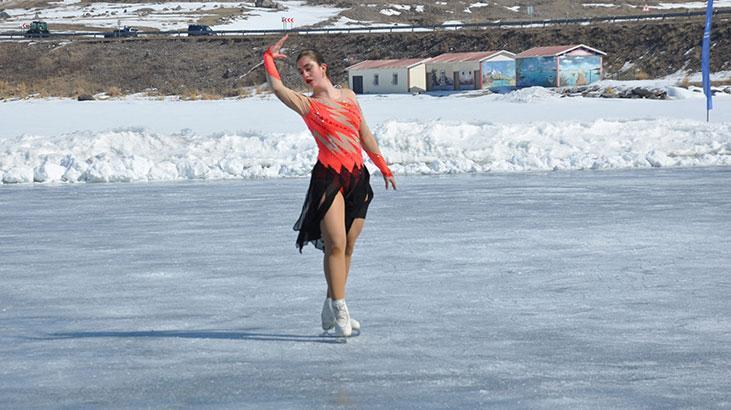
[(328, 318), (342, 318)]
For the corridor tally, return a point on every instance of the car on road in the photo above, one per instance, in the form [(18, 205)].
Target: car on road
[(122, 32), (200, 30), (38, 29)]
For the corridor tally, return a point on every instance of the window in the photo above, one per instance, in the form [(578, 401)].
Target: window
[(375, 79), (394, 81)]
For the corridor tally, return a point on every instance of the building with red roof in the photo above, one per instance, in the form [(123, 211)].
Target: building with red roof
[(559, 66), (388, 76), (471, 71)]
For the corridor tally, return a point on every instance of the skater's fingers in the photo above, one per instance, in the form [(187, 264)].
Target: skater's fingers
[(390, 179), (275, 48), (281, 41)]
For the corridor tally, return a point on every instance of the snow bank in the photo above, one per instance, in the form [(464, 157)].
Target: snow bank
[(435, 148), (527, 95), (413, 147), (655, 89)]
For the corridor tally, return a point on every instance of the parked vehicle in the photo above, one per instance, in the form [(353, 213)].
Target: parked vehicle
[(200, 30), (38, 29), (122, 32)]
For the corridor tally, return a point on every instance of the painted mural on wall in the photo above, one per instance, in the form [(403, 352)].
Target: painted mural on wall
[(536, 71), (498, 75), (466, 80), (443, 80), (579, 70), (440, 80)]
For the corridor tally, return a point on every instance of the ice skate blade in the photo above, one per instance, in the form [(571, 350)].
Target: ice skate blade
[(340, 339)]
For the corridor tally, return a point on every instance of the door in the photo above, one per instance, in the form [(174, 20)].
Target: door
[(358, 84), (455, 79)]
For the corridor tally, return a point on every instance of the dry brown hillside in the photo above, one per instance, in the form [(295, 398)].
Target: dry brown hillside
[(217, 66)]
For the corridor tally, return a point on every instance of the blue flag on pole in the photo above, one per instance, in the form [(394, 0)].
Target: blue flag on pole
[(706, 59)]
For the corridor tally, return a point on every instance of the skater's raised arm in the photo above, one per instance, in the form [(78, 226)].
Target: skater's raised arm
[(289, 97)]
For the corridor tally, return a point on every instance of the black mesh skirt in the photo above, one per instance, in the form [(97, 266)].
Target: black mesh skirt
[(325, 183)]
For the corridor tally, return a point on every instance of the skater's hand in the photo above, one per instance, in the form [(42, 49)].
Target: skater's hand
[(391, 180), (277, 46)]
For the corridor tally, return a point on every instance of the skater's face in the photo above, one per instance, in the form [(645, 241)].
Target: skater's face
[(313, 74)]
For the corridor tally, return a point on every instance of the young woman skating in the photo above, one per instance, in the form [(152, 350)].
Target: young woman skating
[(339, 193)]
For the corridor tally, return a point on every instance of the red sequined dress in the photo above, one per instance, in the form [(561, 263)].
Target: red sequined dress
[(339, 168), (336, 127)]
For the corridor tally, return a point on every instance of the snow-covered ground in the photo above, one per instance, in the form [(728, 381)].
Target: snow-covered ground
[(169, 15), (665, 6), (177, 15), (691, 5), (533, 129), (265, 19), (537, 290)]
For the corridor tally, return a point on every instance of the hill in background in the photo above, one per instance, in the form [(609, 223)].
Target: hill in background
[(225, 66)]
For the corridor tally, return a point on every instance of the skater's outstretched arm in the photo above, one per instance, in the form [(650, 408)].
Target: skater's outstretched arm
[(289, 97), (369, 143)]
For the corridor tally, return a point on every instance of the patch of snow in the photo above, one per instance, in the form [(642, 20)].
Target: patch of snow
[(686, 5)]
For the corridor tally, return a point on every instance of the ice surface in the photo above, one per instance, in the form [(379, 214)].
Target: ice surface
[(592, 289)]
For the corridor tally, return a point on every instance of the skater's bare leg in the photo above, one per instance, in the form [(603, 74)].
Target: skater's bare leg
[(355, 229), (335, 239), (352, 236)]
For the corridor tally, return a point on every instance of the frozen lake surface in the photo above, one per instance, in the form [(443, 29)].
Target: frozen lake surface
[(550, 290)]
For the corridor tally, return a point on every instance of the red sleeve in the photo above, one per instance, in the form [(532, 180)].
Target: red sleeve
[(270, 66), (380, 163)]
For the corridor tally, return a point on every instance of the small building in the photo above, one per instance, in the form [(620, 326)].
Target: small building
[(559, 66), (471, 71), (388, 76)]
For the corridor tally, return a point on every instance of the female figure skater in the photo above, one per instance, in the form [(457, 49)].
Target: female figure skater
[(339, 193)]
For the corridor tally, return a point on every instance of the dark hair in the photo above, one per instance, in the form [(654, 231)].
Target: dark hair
[(314, 55)]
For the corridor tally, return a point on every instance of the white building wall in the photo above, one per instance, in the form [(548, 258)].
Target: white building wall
[(580, 52), (417, 77), (501, 58), (385, 80)]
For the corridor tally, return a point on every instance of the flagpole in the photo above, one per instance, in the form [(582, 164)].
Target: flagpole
[(706, 60)]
